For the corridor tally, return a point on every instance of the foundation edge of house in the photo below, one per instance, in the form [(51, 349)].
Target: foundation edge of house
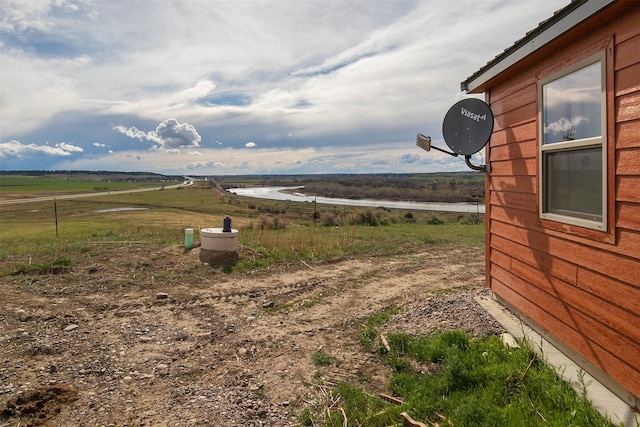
[(602, 398)]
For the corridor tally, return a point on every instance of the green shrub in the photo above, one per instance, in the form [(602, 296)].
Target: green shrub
[(320, 358), (434, 220), (329, 219)]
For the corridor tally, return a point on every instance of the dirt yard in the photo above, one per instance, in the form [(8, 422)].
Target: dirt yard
[(146, 335)]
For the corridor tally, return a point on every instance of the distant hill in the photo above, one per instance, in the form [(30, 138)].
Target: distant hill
[(98, 176)]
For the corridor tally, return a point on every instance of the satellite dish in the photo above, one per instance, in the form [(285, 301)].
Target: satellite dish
[(467, 126)]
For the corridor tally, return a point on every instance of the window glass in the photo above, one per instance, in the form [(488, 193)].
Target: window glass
[(573, 157), (572, 106), (574, 183)]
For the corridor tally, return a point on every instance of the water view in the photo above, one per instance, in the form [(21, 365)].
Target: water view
[(290, 193)]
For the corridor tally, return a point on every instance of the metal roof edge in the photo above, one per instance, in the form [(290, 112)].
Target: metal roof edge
[(563, 20)]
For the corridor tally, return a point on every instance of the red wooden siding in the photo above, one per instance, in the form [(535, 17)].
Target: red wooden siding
[(579, 285)]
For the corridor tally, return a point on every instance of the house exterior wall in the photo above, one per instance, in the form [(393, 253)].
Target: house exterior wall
[(580, 287)]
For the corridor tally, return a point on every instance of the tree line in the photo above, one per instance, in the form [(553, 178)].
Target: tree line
[(441, 189), (429, 187)]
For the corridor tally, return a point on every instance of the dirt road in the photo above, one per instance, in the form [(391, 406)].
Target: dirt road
[(145, 335), (12, 198)]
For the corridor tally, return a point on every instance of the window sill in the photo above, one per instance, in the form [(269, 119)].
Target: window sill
[(575, 232)]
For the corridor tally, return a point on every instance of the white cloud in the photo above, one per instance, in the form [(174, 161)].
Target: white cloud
[(135, 133), (24, 15), (170, 135), (16, 149), (70, 148), (564, 125), (250, 144)]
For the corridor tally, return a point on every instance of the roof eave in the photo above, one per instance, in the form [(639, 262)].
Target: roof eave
[(565, 19)]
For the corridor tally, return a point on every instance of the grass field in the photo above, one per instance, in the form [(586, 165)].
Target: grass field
[(29, 184), (279, 230)]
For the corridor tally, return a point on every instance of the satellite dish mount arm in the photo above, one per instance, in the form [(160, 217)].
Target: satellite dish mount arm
[(424, 142), (451, 153), (481, 168)]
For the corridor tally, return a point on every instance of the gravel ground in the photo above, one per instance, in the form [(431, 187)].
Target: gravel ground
[(137, 335)]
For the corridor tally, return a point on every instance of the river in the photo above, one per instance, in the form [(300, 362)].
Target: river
[(278, 193)]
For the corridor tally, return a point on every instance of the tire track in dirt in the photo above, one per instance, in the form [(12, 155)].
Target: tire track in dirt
[(217, 349)]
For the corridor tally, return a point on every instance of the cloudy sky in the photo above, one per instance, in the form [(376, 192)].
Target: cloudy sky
[(219, 87)]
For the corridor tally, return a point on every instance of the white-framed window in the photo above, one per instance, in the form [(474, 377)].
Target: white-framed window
[(573, 187)]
